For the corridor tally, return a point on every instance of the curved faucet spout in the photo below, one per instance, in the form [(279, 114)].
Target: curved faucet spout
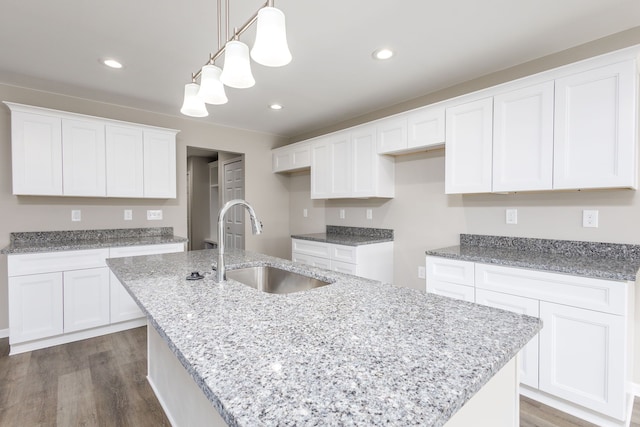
[(256, 228)]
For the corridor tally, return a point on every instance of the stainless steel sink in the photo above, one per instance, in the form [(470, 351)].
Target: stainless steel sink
[(274, 280)]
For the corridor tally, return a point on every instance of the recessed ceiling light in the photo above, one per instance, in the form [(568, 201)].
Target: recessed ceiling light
[(382, 53), (111, 63), (276, 106)]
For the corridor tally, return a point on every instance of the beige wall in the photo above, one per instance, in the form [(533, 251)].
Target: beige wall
[(423, 217), (267, 192)]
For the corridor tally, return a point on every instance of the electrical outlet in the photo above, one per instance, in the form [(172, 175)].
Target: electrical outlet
[(154, 215), (421, 272), (128, 214), (369, 213), (342, 214), (76, 215), (590, 218), (305, 212), (512, 216)]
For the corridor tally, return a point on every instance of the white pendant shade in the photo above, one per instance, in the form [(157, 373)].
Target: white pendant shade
[(193, 105), (271, 48), (211, 88), (237, 66)]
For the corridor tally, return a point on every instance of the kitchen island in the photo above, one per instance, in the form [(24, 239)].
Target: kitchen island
[(355, 352)]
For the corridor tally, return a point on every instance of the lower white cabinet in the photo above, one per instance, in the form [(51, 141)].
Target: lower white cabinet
[(372, 261), (65, 296), (583, 357), (86, 298), (35, 306), (580, 362)]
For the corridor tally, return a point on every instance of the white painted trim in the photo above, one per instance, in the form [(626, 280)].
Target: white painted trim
[(635, 389), (573, 409), (4, 333), (75, 336)]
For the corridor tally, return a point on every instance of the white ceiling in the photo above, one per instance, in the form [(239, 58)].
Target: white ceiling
[(55, 46)]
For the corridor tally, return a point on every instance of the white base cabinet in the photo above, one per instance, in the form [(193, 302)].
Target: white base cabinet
[(581, 361), (374, 261), (65, 296)]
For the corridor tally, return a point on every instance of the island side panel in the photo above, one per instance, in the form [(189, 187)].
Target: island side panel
[(497, 404), (183, 402)]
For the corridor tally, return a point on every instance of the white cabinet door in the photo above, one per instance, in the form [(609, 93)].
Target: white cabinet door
[(123, 306), (523, 139), (35, 307), (340, 165), (392, 134), (292, 157), (468, 147), (528, 359), (83, 158), (364, 168), (320, 169), (425, 127), (124, 149), (582, 357), (86, 299), (36, 153), (595, 131), (159, 164)]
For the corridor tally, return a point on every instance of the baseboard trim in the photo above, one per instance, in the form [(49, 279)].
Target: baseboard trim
[(4, 333)]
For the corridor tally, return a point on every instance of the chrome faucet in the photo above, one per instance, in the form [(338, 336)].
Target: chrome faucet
[(256, 228)]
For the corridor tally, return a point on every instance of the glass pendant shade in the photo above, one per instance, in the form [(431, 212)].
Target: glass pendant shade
[(237, 66), (271, 48), (211, 88), (193, 105)]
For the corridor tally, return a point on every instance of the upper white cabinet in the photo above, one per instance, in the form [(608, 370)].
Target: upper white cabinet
[(523, 139), (468, 149), (412, 131), (57, 153), (159, 164), (595, 128), (346, 164), (36, 153), (124, 161), (292, 157), (83, 158)]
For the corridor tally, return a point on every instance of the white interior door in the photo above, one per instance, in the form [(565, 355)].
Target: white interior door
[(234, 189)]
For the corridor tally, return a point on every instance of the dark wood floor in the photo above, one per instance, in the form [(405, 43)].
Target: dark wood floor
[(102, 382)]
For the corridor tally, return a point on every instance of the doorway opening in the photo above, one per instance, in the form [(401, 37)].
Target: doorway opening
[(213, 178)]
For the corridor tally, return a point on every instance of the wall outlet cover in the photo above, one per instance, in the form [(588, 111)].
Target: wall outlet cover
[(590, 218), (342, 214), (76, 215), (154, 215), (369, 213), (512, 216), (421, 272), (128, 214)]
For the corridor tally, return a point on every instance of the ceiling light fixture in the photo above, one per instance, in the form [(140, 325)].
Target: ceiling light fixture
[(270, 49), (382, 53), (112, 63), (276, 106)]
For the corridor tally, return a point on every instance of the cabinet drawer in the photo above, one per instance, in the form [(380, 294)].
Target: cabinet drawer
[(583, 292), (450, 270), (46, 262), (344, 253), (308, 247), (451, 290), (344, 267), (311, 260), (126, 251)]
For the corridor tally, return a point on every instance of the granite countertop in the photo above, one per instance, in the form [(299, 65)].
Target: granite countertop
[(53, 241), (355, 352), (349, 236), (609, 261)]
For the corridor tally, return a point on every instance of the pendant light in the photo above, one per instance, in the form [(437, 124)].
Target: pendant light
[(193, 105), (211, 88), (270, 47), (237, 66)]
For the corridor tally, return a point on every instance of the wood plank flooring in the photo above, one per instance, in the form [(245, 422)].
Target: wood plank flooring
[(102, 382)]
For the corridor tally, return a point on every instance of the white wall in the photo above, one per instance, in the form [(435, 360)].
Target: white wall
[(267, 192)]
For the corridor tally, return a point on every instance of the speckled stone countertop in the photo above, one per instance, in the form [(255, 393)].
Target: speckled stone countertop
[(355, 352), (52, 241), (610, 261), (349, 236)]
